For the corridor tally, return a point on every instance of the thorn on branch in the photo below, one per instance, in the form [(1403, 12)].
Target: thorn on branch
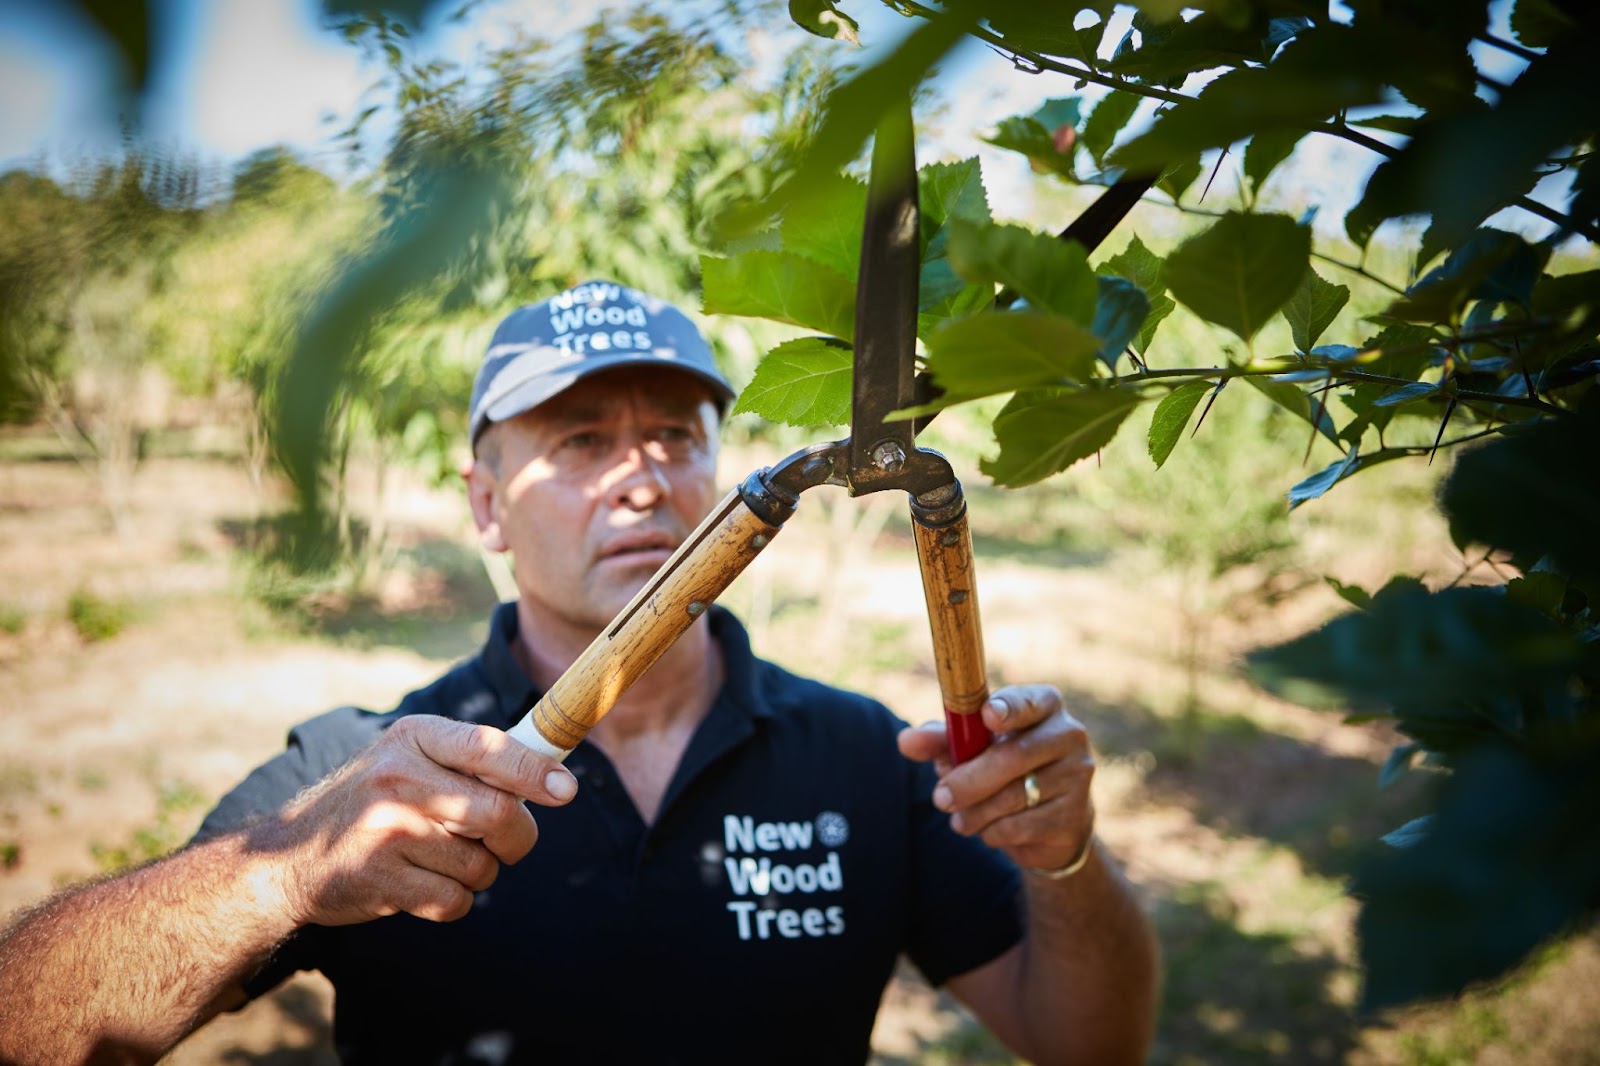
[(1449, 410), (1207, 409)]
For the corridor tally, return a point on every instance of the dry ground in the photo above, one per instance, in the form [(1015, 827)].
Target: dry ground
[(1238, 824)]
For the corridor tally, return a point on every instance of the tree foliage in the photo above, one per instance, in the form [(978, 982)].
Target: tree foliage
[(1490, 341)]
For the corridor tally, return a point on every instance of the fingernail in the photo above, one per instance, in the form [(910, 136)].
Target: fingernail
[(560, 784), (942, 798), (1001, 708)]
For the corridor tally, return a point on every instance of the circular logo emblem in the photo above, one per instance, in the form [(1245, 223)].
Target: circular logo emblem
[(832, 829)]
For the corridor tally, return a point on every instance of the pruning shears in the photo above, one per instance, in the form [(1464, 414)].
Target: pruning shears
[(878, 455)]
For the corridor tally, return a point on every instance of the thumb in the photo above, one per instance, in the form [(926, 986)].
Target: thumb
[(923, 743)]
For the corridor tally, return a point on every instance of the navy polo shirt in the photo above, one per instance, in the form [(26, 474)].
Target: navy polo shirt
[(795, 856)]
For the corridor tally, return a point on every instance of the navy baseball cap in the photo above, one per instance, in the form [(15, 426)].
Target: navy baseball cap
[(543, 348)]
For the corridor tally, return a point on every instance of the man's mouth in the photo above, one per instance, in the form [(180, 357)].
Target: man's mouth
[(642, 544)]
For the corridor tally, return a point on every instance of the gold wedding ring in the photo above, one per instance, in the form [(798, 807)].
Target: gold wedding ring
[(1030, 792)]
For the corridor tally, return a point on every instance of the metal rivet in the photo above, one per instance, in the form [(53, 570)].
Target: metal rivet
[(958, 595), (696, 609), (759, 541), (950, 538)]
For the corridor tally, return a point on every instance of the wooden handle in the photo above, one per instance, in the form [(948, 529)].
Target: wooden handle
[(945, 554), (682, 590)]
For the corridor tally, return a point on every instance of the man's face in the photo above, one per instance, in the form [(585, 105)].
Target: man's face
[(596, 487)]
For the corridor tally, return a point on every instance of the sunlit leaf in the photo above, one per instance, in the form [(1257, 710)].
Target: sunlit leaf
[(1313, 307), (996, 353), (1172, 416), (783, 286), (804, 382), (1238, 273), (1143, 267), (1051, 274), (825, 227), (1042, 432)]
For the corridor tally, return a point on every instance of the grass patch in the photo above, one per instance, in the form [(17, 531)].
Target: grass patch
[(13, 618), (97, 618)]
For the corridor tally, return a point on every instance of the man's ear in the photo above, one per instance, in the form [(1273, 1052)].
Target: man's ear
[(483, 493)]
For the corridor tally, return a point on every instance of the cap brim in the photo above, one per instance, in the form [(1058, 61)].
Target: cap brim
[(543, 387)]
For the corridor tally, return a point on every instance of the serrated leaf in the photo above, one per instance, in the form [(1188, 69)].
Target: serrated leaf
[(1493, 265), (1143, 267), (1119, 314), (825, 226), (989, 354), (1051, 274), (1313, 307), (1176, 177), (1029, 136), (948, 193), (1107, 119), (1044, 431), (783, 286), (1266, 150), (1319, 483), (1171, 418), (1238, 273), (804, 382)]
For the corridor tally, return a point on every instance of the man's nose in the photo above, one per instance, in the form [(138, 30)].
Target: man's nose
[(638, 480)]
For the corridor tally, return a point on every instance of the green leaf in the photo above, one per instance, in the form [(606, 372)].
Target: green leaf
[(783, 286), (1031, 138), (1107, 119), (1313, 307), (1143, 267), (1319, 483), (1289, 397), (1535, 493), (1051, 274), (948, 193), (1177, 176), (1310, 83), (1172, 416), (1238, 273), (1404, 394), (1543, 590), (804, 382), (1266, 150), (1044, 431), (1506, 865), (1493, 265), (824, 19), (1453, 667), (825, 226), (1119, 315), (990, 354)]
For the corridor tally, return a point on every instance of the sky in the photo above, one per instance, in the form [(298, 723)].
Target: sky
[(240, 75)]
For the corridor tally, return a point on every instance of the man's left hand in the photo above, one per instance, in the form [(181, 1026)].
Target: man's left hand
[(1028, 793)]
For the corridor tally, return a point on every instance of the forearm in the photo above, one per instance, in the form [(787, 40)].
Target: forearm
[(120, 970), (1089, 972)]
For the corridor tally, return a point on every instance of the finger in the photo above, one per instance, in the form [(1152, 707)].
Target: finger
[(1063, 780), (1007, 761), (430, 895), (924, 743), (489, 754), (466, 862), (1016, 707), (469, 808), (1047, 836)]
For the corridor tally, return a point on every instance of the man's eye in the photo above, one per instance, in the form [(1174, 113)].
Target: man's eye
[(583, 442)]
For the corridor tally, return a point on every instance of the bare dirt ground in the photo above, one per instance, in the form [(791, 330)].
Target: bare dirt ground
[(1238, 827)]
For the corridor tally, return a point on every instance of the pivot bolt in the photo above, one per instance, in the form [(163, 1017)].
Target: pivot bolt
[(888, 456)]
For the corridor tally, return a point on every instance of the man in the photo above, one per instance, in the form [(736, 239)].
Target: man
[(730, 863)]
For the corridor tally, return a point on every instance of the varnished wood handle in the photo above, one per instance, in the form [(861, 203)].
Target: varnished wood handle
[(945, 555), (682, 590)]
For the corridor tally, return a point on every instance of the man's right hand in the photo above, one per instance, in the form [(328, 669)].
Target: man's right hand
[(417, 822)]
